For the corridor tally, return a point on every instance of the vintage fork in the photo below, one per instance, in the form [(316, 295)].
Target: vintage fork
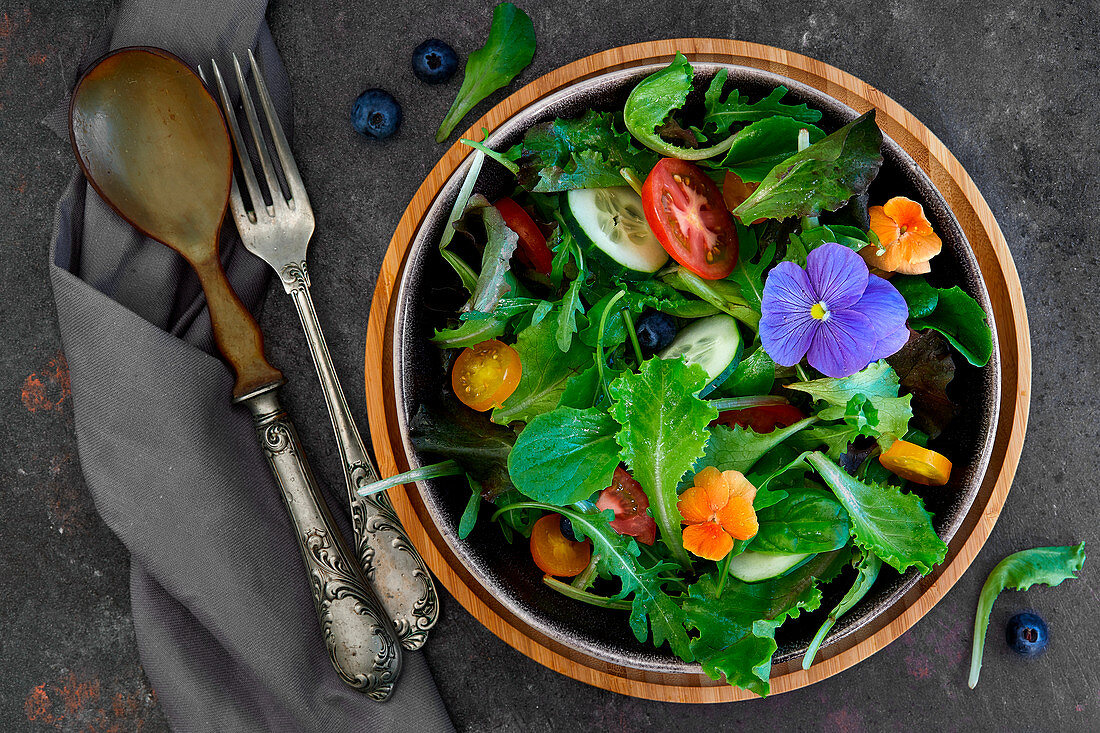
[(279, 234)]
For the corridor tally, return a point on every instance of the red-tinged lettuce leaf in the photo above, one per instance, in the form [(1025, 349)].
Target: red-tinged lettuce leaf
[(565, 455), (925, 368), (820, 178), (454, 431), (664, 431), (1019, 571), (736, 630), (891, 524)]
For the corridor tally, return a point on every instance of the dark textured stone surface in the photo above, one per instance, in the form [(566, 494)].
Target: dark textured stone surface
[(1009, 87)]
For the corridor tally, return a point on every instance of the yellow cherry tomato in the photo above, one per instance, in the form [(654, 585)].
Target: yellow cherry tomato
[(556, 554), (916, 464), (486, 374)]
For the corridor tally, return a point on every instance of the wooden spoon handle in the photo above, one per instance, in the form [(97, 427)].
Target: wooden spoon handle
[(236, 332)]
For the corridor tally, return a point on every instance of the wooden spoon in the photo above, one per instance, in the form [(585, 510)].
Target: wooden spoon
[(153, 143)]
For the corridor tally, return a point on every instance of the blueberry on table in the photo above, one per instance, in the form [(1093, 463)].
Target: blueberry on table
[(376, 114), (655, 330), (434, 61), (1026, 633)]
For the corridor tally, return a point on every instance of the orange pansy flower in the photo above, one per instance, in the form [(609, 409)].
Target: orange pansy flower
[(906, 238), (717, 510)]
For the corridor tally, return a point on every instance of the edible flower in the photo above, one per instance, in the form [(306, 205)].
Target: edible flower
[(834, 312), (717, 510), (905, 235)]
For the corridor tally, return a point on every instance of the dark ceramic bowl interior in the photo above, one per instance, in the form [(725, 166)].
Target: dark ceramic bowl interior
[(428, 292)]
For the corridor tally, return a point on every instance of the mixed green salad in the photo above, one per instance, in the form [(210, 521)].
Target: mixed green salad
[(699, 366)]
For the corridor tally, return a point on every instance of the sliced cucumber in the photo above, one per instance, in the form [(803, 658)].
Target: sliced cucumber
[(611, 221), (713, 343), (752, 567)]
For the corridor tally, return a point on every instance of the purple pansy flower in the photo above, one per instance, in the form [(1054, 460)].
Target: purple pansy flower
[(834, 312)]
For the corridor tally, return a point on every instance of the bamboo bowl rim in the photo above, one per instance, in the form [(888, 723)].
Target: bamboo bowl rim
[(1006, 298)]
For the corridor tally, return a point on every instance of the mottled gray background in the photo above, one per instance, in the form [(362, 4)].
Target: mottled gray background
[(1011, 88)]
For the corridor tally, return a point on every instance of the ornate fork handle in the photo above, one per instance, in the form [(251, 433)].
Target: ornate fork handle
[(358, 635), (391, 562)]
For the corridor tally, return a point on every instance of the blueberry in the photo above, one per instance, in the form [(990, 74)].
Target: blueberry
[(1026, 633), (434, 61), (655, 331), (376, 114), (567, 528)]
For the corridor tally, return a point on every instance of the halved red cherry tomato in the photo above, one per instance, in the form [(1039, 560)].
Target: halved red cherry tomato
[(763, 419), (531, 241), (556, 554), (626, 498), (486, 374), (686, 211)]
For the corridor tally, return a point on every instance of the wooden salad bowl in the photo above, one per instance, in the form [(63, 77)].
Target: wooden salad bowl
[(499, 585)]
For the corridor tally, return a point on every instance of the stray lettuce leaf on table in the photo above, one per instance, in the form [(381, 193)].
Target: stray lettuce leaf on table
[(507, 51), (891, 524), (1019, 571), (664, 429), (820, 178), (565, 455)]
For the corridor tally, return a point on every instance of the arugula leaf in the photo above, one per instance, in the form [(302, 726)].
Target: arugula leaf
[(545, 372), (453, 431), (820, 178), (1019, 571), (892, 525), (919, 295), (653, 100), (507, 51), (722, 294), (565, 455), (925, 368), (722, 113), (867, 570), (808, 520), (878, 383), (755, 375), (586, 152), (834, 437), (571, 305), (663, 432), (495, 259), (851, 237), (764, 144), (738, 448), (470, 333), (959, 317), (737, 627)]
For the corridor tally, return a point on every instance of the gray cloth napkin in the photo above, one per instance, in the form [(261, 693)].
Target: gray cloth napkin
[(225, 622)]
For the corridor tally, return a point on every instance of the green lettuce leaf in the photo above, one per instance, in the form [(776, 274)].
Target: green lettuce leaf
[(571, 305), (747, 274), (454, 431), (722, 294), (586, 152), (867, 570), (496, 258), (735, 109), (663, 432), (738, 448), (963, 322), (820, 178), (878, 383), (764, 144), (755, 375), (919, 295), (892, 525), (737, 627), (808, 520), (1019, 571), (507, 51), (545, 373), (565, 455)]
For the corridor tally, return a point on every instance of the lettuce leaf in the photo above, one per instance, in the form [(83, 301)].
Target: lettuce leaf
[(808, 520), (565, 455), (963, 322), (738, 448), (452, 430), (867, 570), (892, 525), (764, 144), (925, 368), (820, 178), (878, 383), (507, 51), (1019, 571), (737, 628), (734, 109), (546, 371), (663, 432), (496, 258)]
